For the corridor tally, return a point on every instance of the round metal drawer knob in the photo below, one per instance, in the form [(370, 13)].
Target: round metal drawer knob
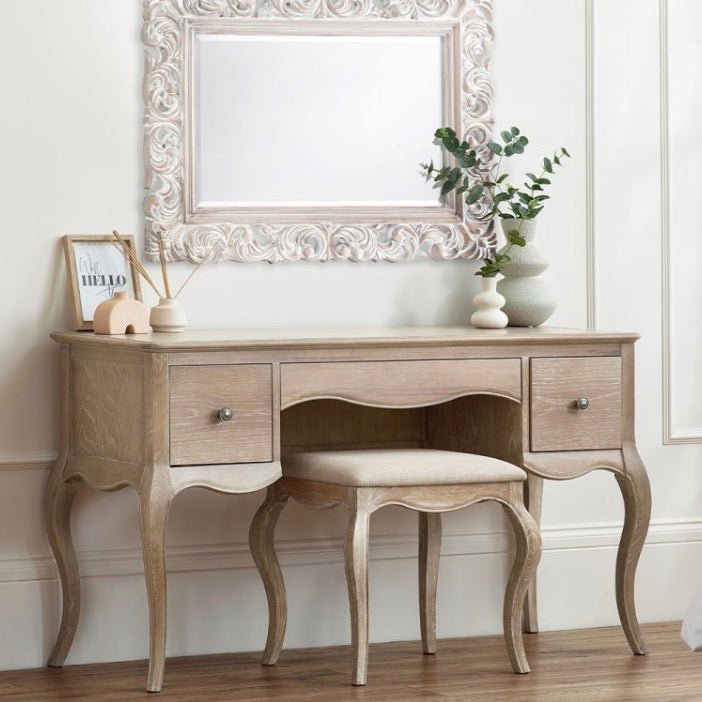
[(225, 414), (582, 403)]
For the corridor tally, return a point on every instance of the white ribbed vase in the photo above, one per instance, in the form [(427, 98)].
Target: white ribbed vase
[(488, 302), (529, 300)]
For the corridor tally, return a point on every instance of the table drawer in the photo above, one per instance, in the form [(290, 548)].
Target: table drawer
[(556, 422), (400, 383), (199, 436)]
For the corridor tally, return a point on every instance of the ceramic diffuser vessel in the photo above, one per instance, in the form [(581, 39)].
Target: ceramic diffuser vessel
[(168, 316)]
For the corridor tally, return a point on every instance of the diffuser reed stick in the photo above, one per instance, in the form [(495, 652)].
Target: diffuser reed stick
[(164, 269), (131, 256), (192, 273), (137, 263)]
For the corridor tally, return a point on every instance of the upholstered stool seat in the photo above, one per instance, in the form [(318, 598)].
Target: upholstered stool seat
[(399, 467), (425, 480)]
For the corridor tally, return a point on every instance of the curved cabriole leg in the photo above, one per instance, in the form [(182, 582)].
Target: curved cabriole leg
[(534, 500), (58, 500), (527, 556), (262, 545), (154, 505), (429, 552), (636, 491), (356, 559)]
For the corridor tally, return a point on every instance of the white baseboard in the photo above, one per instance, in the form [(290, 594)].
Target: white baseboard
[(212, 608), (27, 461), (216, 602), (304, 552)]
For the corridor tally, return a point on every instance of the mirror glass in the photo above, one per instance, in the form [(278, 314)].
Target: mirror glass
[(314, 121)]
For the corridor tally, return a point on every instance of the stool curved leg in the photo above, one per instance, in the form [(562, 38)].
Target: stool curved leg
[(262, 545), (527, 556), (356, 558), (429, 552), (535, 487)]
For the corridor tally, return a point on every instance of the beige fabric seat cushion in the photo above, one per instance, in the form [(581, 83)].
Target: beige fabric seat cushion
[(399, 467)]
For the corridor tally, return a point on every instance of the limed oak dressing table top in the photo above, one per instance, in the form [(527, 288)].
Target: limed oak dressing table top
[(165, 412)]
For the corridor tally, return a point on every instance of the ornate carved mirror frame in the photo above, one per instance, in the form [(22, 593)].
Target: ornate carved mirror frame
[(348, 234)]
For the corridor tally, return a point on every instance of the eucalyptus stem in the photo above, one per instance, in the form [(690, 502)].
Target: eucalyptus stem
[(478, 175)]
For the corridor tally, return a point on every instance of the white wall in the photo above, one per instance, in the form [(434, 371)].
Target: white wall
[(579, 73)]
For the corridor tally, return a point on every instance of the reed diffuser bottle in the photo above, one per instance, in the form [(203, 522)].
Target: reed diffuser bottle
[(169, 314)]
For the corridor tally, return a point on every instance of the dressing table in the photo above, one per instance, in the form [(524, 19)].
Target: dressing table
[(166, 412)]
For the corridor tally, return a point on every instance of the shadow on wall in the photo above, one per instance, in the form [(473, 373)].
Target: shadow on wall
[(29, 375), (413, 308), (29, 385)]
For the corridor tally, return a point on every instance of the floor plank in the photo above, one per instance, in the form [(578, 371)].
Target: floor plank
[(591, 665)]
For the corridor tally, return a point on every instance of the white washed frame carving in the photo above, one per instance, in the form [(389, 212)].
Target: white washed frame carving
[(165, 33)]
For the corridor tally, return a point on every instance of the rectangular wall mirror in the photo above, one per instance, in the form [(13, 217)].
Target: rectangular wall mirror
[(294, 130), (282, 123)]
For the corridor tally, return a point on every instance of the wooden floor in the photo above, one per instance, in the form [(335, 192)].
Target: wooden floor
[(572, 666)]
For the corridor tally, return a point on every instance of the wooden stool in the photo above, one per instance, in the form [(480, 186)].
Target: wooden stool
[(424, 480)]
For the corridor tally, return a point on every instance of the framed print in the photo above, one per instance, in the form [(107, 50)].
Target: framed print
[(97, 269)]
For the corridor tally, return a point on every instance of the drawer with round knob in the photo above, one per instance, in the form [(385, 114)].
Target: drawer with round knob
[(576, 403), (221, 414)]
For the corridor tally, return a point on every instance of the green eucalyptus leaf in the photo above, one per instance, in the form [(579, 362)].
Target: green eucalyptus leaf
[(495, 148), (474, 194), (489, 269), (467, 161), (515, 238), (447, 187), (444, 133)]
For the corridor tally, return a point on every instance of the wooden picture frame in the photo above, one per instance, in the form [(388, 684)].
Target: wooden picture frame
[(95, 274)]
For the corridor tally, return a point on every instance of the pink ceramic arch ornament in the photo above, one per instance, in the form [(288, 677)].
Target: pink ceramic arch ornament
[(120, 315)]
